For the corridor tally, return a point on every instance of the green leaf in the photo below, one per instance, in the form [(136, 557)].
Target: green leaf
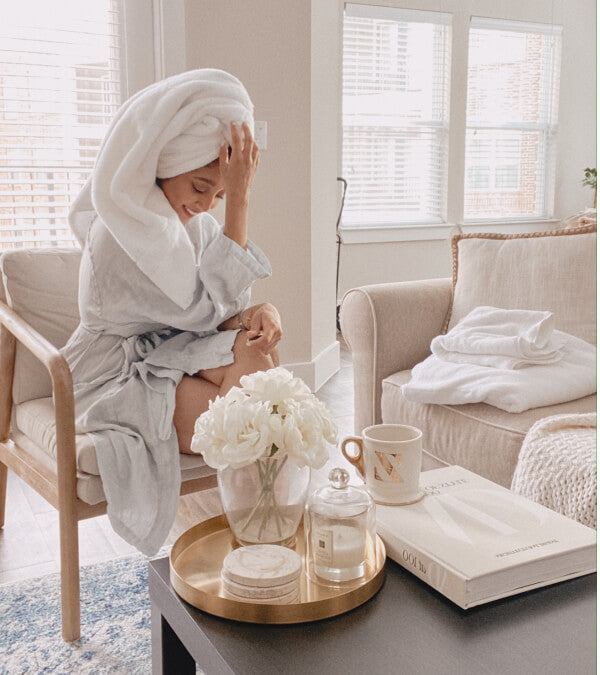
[(590, 177)]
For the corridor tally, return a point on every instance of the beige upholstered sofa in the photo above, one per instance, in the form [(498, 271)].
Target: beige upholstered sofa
[(389, 329)]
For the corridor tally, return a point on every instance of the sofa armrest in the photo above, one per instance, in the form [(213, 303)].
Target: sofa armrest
[(389, 327)]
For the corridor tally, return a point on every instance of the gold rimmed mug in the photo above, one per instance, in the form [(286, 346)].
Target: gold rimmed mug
[(389, 460)]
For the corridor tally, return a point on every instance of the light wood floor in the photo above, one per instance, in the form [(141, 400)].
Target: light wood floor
[(29, 538)]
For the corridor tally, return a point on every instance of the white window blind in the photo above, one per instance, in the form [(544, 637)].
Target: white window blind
[(60, 85), (511, 128), (396, 82)]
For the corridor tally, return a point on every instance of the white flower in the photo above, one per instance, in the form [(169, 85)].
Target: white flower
[(275, 386), (307, 428), (272, 412), (233, 432)]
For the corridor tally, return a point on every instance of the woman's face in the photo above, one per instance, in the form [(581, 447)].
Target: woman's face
[(194, 192)]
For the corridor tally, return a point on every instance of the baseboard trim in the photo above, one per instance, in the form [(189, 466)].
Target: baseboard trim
[(316, 372)]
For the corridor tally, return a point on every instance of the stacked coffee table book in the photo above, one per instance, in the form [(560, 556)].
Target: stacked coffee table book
[(475, 541)]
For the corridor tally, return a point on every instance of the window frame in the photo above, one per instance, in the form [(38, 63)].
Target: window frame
[(439, 127), (147, 61), (548, 128), (461, 23)]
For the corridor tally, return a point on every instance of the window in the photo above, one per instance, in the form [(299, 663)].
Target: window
[(60, 86), (396, 77), (65, 67), (512, 105), (401, 144)]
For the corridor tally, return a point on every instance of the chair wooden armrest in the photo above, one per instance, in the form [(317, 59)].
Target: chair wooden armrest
[(62, 493), (14, 328)]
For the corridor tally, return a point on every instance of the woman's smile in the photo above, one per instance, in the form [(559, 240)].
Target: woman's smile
[(189, 211)]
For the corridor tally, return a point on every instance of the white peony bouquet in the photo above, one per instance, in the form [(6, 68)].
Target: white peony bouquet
[(271, 414)]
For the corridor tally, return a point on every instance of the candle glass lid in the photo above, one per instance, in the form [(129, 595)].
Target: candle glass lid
[(339, 499)]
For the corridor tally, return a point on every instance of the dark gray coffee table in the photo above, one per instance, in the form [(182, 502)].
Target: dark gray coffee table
[(406, 628)]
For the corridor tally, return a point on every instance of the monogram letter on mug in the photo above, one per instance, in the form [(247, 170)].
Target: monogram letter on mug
[(389, 459)]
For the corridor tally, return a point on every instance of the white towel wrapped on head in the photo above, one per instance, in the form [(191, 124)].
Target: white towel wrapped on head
[(442, 381), (171, 127), (501, 338)]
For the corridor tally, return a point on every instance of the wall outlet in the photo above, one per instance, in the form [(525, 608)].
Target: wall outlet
[(260, 134)]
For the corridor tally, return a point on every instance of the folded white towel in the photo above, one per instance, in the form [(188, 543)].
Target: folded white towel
[(169, 128), (501, 338), (511, 388)]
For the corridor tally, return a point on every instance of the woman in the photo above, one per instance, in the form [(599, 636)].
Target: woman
[(164, 291)]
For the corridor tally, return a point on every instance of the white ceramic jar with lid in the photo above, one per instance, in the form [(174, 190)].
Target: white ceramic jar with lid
[(339, 528)]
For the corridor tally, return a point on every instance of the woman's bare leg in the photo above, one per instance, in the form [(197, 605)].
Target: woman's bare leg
[(246, 359), (192, 397), (194, 393)]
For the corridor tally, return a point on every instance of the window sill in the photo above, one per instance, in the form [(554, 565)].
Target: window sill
[(438, 231)]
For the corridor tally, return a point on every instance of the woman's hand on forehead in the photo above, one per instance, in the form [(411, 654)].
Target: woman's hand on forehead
[(238, 170)]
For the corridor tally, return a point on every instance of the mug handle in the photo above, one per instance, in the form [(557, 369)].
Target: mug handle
[(356, 460)]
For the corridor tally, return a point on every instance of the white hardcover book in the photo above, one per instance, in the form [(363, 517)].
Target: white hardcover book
[(475, 541)]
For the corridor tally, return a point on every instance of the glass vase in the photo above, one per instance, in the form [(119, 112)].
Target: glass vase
[(264, 501)]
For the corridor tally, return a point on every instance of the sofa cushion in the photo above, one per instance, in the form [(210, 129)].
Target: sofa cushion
[(552, 271), (477, 436), (41, 286)]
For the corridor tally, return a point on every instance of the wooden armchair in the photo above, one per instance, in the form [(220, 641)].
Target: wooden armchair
[(38, 312)]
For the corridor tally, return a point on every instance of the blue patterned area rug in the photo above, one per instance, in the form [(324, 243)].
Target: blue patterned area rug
[(115, 623)]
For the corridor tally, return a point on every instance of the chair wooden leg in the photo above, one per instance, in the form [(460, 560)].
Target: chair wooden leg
[(3, 474), (69, 575)]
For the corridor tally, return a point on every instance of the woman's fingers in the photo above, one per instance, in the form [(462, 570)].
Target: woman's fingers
[(236, 139), (265, 327), (223, 155), (272, 334), (248, 140), (266, 338), (239, 169), (255, 325), (241, 139)]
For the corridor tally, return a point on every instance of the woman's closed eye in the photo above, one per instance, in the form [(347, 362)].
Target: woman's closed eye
[(202, 190)]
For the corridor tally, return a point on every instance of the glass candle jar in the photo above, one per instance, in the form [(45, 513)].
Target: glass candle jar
[(339, 528)]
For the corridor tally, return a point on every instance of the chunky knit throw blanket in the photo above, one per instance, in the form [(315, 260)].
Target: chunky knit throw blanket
[(557, 466)]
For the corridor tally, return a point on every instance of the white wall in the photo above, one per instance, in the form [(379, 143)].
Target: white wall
[(292, 80)]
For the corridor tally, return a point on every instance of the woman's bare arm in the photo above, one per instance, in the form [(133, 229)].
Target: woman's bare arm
[(237, 172)]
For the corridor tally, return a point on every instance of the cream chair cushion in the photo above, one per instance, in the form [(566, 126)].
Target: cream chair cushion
[(480, 437), (41, 286), (34, 430), (552, 271), (36, 420)]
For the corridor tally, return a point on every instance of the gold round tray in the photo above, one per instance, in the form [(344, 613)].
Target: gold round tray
[(195, 572)]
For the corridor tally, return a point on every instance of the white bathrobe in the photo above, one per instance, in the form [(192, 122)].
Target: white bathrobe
[(152, 293)]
